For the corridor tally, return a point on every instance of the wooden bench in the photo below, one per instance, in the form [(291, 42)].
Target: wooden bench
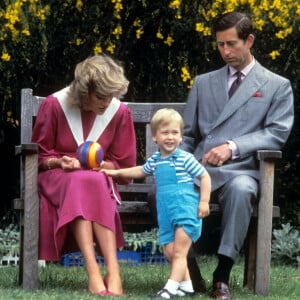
[(135, 210)]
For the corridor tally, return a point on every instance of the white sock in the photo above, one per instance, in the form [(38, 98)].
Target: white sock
[(185, 286), (172, 286)]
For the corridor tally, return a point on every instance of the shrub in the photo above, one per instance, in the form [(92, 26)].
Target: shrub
[(286, 245)]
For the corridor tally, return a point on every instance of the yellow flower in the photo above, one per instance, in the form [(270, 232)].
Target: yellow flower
[(79, 5), (169, 41), (185, 75), (274, 54), (190, 84), (207, 31), (111, 48), (5, 56), (175, 4), (159, 35), (139, 32), (97, 50), (26, 32), (137, 23), (79, 42), (117, 31), (199, 27)]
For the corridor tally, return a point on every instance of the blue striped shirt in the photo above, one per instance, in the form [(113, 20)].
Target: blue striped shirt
[(186, 165)]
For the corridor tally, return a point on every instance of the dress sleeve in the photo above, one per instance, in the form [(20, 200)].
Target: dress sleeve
[(45, 128)]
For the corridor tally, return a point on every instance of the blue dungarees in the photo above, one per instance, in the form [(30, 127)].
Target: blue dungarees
[(177, 203)]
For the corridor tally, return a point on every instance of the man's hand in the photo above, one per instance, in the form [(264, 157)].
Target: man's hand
[(217, 155)]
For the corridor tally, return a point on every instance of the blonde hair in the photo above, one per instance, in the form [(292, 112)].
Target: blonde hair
[(99, 74), (164, 116)]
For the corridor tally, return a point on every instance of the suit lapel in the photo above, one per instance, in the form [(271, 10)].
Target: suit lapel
[(251, 84)]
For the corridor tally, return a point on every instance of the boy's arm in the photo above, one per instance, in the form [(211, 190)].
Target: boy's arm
[(205, 190), (133, 173)]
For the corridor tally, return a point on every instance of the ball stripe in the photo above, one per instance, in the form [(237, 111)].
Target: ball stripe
[(90, 154)]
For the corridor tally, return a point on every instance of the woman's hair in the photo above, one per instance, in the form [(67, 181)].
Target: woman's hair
[(165, 116), (98, 74), (235, 19)]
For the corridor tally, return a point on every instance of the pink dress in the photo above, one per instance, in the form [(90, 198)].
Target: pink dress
[(65, 196)]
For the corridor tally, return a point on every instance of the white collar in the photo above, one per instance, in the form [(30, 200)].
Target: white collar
[(73, 116)]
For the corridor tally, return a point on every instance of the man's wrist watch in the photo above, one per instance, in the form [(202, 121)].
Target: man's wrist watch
[(229, 145)]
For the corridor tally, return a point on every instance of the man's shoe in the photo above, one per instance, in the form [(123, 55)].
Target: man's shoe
[(221, 291)]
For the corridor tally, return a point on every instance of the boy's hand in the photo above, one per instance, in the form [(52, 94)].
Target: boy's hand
[(203, 209), (105, 165), (109, 172)]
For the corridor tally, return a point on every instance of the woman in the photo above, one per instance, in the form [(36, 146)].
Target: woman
[(78, 206)]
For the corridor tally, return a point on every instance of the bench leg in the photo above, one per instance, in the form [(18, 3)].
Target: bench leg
[(29, 263), (264, 234), (21, 258), (250, 255)]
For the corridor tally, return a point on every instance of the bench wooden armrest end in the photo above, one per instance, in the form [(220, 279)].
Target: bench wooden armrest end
[(268, 154), (24, 149)]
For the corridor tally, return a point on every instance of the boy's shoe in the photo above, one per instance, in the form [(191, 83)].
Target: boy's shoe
[(181, 293), (163, 294)]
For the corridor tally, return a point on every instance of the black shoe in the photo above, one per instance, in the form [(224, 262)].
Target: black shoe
[(163, 294), (221, 291), (182, 293)]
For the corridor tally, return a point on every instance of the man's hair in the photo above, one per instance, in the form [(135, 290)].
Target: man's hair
[(238, 20)]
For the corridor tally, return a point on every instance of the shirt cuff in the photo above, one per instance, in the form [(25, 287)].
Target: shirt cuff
[(234, 150)]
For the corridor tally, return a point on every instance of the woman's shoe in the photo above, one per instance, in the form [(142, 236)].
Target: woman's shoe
[(103, 293), (113, 294)]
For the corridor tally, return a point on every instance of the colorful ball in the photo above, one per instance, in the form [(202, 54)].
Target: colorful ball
[(90, 154)]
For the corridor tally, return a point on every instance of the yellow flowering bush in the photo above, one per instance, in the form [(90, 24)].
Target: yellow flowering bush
[(23, 49), (162, 44)]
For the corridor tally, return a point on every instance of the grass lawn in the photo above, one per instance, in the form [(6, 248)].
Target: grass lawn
[(65, 283)]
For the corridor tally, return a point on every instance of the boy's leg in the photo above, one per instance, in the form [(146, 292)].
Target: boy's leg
[(181, 248), (176, 252)]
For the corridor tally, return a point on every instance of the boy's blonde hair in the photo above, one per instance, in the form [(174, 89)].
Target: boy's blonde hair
[(164, 116)]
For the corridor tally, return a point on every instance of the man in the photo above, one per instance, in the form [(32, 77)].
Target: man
[(225, 131)]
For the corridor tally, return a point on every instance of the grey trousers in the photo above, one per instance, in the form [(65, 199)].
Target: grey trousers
[(236, 198)]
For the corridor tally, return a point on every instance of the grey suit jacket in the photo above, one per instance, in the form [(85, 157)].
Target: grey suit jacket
[(259, 115)]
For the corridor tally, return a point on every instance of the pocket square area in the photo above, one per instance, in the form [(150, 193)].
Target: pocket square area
[(257, 94)]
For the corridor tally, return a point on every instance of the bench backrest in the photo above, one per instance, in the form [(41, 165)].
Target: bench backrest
[(141, 112)]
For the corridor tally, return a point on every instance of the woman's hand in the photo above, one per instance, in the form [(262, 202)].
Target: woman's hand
[(69, 163)]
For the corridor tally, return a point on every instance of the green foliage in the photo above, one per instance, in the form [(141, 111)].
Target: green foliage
[(9, 235), (9, 241), (286, 245), (139, 240)]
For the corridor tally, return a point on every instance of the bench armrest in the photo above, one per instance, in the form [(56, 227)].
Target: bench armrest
[(268, 155), (23, 149)]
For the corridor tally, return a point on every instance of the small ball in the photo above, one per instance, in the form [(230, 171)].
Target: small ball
[(90, 154)]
